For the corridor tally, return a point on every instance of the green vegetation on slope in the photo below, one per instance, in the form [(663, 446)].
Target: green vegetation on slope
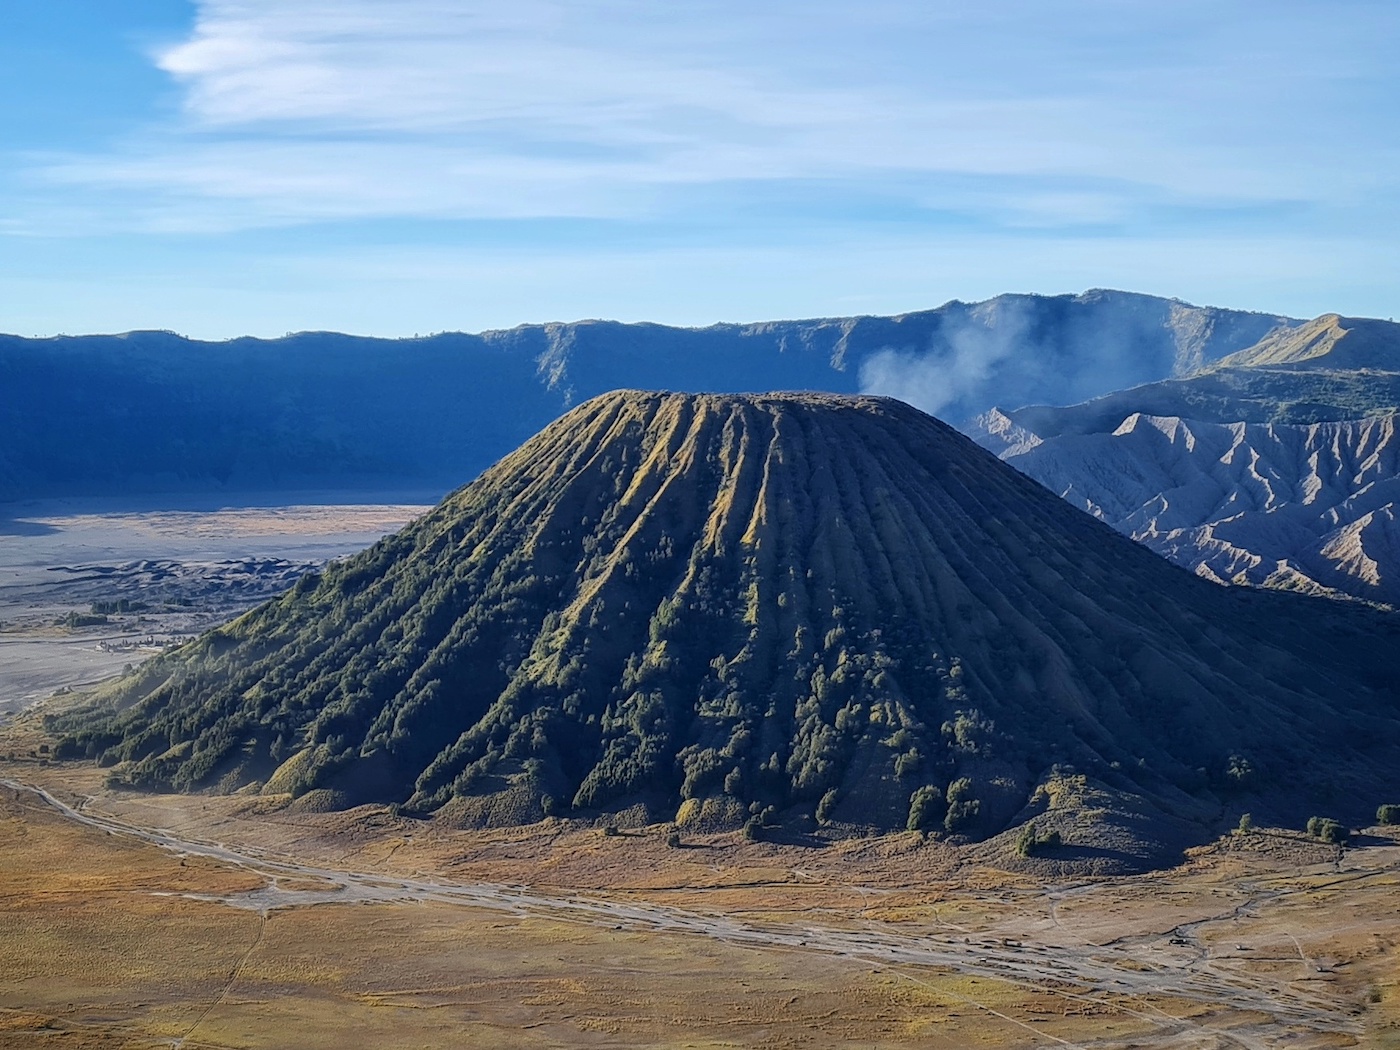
[(798, 608)]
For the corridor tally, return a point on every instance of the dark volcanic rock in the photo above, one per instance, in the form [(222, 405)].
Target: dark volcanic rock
[(783, 608)]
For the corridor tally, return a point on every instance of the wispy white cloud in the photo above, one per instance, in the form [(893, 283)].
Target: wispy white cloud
[(314, 110), (423, 66)]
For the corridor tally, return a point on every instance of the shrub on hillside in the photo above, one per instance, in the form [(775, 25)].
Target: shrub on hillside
[(1031, 842), (1388, 815), (1328, 830), (925, 808), (1239, 772), (963, 805)]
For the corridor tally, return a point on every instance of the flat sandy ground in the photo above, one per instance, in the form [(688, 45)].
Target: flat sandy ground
[(197, 921), (364, 929), (193, 566)]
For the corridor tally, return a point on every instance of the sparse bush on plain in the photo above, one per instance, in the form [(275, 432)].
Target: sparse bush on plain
[(673, 839), (1389, 814), (77, 619), (119, 606), (1246, 824)]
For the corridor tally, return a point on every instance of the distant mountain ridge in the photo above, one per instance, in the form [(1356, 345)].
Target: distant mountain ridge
[(152, 411), (1328, 369)]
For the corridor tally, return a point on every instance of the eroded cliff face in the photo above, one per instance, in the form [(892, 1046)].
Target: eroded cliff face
[(1276, 466), (803, 610), (1305, 506)]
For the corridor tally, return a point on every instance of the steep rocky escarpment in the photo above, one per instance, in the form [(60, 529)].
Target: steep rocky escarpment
[(1310, 506)]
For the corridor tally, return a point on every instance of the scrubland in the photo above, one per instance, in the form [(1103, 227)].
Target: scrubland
[(365, 928)]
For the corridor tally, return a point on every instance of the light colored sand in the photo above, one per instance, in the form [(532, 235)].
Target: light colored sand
[(195, 564)]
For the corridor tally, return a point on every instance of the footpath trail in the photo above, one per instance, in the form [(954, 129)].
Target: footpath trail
[(1125, 977)]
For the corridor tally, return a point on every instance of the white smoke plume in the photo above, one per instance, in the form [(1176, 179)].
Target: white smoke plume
[(958, 368)]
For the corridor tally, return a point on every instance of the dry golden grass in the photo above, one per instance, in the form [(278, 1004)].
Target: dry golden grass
[(101, 948), (95, 957)]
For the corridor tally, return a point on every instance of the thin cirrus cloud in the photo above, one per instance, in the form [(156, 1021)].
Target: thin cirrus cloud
[(1089, 113)]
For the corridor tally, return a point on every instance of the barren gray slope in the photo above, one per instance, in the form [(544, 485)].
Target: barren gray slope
[(1310, 505), (1277, 465)]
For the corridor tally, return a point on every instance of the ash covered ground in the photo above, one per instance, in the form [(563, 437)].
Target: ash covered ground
[(87, 587)]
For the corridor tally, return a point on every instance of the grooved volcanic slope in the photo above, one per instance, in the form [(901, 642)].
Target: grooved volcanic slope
[(779, 608)]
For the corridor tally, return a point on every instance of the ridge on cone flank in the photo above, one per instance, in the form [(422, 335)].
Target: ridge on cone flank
[(796, 610), (1329, 341)]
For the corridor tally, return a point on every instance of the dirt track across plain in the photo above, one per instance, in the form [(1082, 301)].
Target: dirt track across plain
[(1130, 974)]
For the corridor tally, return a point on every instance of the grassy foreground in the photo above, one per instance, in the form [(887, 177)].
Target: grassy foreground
[(106, 942)]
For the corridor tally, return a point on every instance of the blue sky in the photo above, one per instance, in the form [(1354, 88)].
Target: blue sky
[(397, 166)]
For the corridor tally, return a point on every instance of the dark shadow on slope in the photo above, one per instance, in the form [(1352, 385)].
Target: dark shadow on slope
[(21, 527)]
